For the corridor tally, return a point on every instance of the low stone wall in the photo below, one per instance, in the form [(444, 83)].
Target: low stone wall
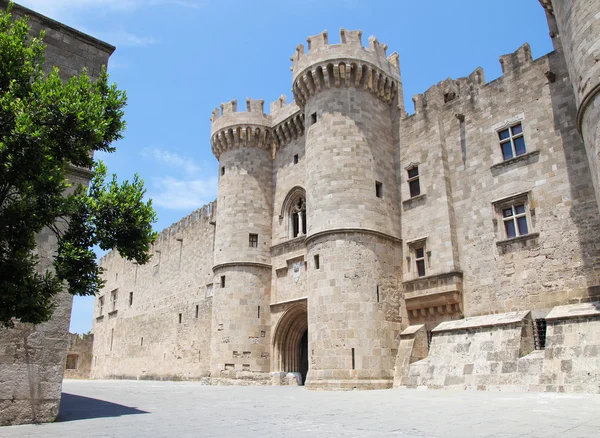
[(496, 352), (79, 356)]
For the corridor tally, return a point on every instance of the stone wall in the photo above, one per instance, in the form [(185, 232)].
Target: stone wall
[(32, 358), (496, 352), (79, 356), (457, 122), (160, 325)]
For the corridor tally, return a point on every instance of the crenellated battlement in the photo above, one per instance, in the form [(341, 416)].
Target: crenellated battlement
[(231, 129), (346, 64), (205, 214), (450, 90)]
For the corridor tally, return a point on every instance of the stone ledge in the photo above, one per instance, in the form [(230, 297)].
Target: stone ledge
[(506, 163), (574, 311), (412, 329), (517, 239), (100, 318), (417, 198), (482, 321)]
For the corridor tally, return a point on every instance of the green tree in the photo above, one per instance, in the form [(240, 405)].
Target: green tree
[(46, 128)]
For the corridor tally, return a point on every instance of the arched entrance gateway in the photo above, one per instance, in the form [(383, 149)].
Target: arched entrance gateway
[(290, 343)]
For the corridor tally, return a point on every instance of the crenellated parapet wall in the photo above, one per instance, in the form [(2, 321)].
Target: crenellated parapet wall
[(343, 65), (232, 129), (453, 90)]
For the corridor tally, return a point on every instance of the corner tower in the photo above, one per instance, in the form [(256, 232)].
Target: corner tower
[(575, 27), (241, 141), (352, 98)]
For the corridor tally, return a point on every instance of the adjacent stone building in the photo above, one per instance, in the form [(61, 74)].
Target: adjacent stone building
[(354, 245), (32, 357)]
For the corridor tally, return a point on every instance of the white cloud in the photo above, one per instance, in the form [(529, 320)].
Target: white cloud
[(177, 194), (172, 159), (122, 38), (196, 188)]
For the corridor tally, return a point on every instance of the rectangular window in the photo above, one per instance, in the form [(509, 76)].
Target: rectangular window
[(180, 318), (222, 281), (197, 311), (413, 182), (317, 261), (72, 360), (296, 159), (378, 189), (142, 341), (378, 294), (113, 299), (353, 360), (259, 312), (253, 240), (515, 220), (420, 261), (222, 170), (209, 290), (313, 118), (130, 299), (100, 306), (512, 141)]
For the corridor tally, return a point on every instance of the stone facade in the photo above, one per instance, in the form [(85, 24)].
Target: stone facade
[(32, 358), (358, 246), (79, 356)]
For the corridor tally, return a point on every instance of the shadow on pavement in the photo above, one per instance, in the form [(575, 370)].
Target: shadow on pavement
[(75, 407)]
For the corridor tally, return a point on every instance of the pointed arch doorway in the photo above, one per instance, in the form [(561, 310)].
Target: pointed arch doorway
[(290, 344)]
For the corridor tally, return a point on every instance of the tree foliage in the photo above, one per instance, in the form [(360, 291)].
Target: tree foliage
[(47, 128)]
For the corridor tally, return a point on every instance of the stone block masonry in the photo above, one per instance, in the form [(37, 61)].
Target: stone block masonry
[(33, 358), (357, 246)]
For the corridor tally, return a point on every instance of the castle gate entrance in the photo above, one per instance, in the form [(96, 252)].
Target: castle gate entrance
[(290, 343)]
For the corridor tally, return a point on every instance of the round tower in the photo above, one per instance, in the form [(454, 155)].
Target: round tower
[(579, 34), (352, 99), (242, 283)]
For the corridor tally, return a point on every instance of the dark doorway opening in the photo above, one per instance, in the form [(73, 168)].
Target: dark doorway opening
[(304, 356)]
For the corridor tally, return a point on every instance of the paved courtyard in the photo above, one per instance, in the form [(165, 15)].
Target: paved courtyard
[(188, 409)]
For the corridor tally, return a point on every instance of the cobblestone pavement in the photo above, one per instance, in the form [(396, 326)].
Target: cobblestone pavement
[(188, 409)]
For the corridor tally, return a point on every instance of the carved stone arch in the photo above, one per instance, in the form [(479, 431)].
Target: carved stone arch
[(293, 212), (290, 331)]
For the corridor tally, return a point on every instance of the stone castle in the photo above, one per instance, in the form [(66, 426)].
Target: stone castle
[(353, 245)]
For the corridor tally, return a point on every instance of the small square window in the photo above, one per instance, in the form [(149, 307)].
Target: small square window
[(223, 170), (253, 240), (313, 118), (378, 189), (222, 281), (317, 261), (296, 159), (512, 141), (414, 185)]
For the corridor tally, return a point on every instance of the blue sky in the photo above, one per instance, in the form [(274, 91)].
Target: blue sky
[(179, 59)]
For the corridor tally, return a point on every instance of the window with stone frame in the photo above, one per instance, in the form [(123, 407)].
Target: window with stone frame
[(113, 300), (420, 257), (100, 305), (514, 216), (420, 261), (512, 141), (414, 185), (253, 240)]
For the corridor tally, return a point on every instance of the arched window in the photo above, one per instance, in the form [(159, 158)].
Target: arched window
[(294, 212)]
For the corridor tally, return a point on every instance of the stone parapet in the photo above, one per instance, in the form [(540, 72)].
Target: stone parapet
[(346, 64)]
